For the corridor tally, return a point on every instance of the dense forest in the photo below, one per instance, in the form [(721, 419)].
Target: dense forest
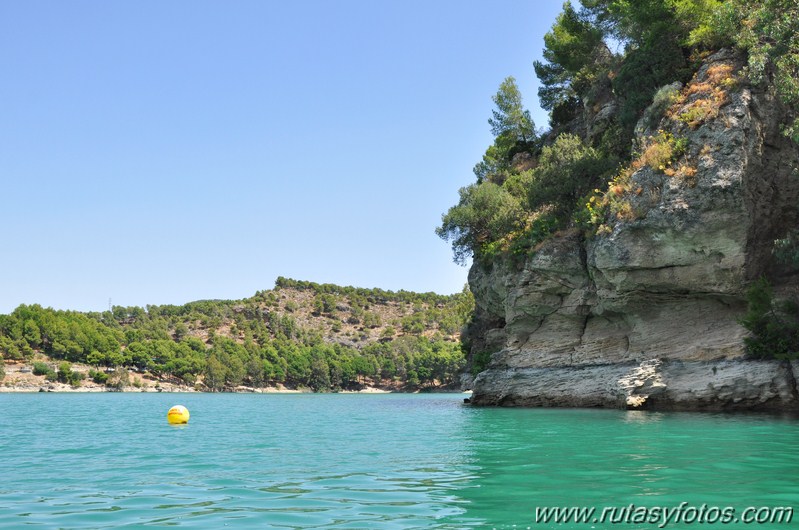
[(613, 73), (299, 334)]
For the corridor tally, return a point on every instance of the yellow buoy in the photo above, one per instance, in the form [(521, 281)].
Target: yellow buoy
[(178, 415)]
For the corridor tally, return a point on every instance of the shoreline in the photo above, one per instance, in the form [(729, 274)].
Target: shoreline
[(60, 388), (19, 378)]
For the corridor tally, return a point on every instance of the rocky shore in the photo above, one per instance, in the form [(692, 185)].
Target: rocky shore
[(20, 378), (645, 313)]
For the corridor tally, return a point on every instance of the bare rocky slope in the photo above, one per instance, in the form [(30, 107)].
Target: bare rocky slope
[(644, 314)]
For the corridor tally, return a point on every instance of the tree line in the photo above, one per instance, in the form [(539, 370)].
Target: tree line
[(219, 345)]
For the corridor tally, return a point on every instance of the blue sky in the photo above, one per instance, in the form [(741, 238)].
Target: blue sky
[(164, 152)]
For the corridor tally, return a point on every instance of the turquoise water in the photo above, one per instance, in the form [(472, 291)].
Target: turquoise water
[(371, 461)]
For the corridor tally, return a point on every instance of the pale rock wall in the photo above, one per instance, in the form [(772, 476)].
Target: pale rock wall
[(646, 314)]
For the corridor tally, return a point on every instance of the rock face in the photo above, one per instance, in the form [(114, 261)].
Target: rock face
[(645, 314)]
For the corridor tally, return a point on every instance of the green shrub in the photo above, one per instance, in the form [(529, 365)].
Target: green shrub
[(643, 70), (480, 361), (769, 31), (44, 369), (324, 304), (66, 375), (774, 326), (539, 228), (661, 151), (371, 320), (567, 170), (98, 377), (663, 99)]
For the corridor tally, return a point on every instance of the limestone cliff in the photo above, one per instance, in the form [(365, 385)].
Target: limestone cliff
[(645, 313)]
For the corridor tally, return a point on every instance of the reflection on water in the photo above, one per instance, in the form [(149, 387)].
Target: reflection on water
[(539, 458), (641, 416)]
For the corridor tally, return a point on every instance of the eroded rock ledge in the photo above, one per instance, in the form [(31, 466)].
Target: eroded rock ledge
[(645, 314), (668, 385)]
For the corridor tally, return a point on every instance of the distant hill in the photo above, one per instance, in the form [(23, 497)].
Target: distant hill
[(299, 335)]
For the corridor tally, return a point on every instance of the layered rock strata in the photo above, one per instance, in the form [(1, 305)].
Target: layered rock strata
[(645, 313)]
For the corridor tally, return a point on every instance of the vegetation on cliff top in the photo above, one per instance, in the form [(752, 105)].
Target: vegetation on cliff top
[(300, 334), (531, 184)]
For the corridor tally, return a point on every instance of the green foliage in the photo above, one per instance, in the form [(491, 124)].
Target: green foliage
[(664, 98), (774, 326), (643, 71), (513, 130), (480, 361), (371, 320), (40, 368), (661, 151), (641, 22), (510, 119), (31, 333), (214, 374), (325, 303), (566, 171), (358, 296), (573, 48), (246, 344), (485, 213), (10, 349), (529, 206), (319, 377), (65, 374), (98, 377), (496, 160), (61, 334), (538, 229), (413, 324), (661, 40), (769, 31), (699, 21), (418, 360)]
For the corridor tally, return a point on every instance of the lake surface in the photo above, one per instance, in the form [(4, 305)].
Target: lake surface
[(372, 461)]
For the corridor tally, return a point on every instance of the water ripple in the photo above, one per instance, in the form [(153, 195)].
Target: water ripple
[(382, 462)]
